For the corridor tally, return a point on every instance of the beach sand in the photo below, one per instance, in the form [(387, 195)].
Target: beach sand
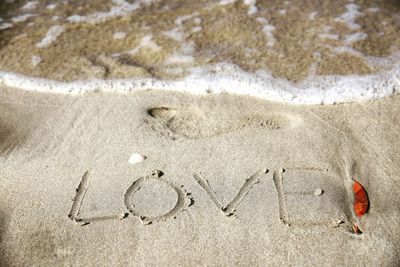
[(98, 168), (224, 180)]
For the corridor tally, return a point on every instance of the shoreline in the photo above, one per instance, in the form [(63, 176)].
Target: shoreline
[(228, 78)]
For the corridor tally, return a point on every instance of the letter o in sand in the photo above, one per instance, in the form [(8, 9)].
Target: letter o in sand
[(182, 202)]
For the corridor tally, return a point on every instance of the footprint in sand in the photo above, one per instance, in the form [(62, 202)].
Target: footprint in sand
[(194, 123)]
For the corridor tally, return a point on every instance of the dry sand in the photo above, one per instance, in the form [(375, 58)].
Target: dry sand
[(223, 189)]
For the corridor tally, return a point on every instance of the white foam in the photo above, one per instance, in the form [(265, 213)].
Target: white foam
[(355, 37), (331, 36), (36, 60), (51, 6), (187, 48), (197, 20), (346, 49), (228, 78), (175, 33), (268, 30), (178, 58), (312, 15), (30, 5), (119, 35), (226, 2), (282, 11), (252, 6), (53, 33), (184, 55), (121, 9), (147, 41), (5, 25), (178, 33), (180, 20), (350, 16), (22, 18), (197, 29)]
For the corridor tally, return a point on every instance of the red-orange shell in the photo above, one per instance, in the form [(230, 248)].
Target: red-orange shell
[(361, 202)]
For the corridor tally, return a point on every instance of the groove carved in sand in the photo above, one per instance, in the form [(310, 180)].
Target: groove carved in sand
[(74, 213), (230, 208), (331, 214), (278, 181), (195, 123), (283, 206), (184, 199)]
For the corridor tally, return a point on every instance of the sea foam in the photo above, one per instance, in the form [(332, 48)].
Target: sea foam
[(228, 78)]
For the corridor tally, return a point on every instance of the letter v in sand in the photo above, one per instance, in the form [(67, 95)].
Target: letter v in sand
[(230, 208)]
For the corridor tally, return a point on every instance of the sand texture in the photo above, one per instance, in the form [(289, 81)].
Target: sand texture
[(216, 180), (164, 132)]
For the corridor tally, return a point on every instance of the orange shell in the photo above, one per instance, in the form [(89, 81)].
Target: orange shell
[(361, 202)]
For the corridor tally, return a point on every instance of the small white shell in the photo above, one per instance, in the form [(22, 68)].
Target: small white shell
[(136, 158)]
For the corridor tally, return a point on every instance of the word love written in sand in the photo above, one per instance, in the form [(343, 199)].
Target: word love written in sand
[(333, 215)]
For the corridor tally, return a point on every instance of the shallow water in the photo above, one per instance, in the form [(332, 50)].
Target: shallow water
[(297, 52)]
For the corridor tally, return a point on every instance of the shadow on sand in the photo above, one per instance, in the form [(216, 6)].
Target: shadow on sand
[(3, 224)]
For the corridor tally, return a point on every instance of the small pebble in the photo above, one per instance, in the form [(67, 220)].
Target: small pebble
[(318, 192), (336, 223)]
